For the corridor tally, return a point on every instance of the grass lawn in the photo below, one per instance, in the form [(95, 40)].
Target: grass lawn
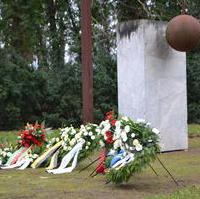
[(37, 184)]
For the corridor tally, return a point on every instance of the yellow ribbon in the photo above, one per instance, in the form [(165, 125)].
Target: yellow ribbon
[(45, 155)]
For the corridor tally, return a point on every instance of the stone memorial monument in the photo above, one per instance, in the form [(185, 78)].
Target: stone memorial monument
[(152, 80)]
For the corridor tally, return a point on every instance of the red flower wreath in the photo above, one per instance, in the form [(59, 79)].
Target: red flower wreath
[(34, 134)]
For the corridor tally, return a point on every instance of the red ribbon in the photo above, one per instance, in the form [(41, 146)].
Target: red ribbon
[(14, 160), (101, 168)]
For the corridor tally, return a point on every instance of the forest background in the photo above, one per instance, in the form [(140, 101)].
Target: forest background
[(40, 58)]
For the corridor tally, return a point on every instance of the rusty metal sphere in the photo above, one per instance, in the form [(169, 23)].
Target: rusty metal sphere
[(183, 33)]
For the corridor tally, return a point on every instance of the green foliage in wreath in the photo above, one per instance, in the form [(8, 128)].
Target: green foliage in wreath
[(137, 140)]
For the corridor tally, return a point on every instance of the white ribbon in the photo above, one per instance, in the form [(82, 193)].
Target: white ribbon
[(17, 164), (20, 162), (66, 160), (25, 164)]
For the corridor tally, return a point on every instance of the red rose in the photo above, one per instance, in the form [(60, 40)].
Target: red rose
[(109, 117), (26, 143), (110, 140), (30, 137), (113, 122), (37, 126), (108, 113), (26, 132), (108, 133), (43, 137)]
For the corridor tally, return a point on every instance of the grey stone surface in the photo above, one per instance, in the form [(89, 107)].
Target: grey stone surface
[(152, 81)]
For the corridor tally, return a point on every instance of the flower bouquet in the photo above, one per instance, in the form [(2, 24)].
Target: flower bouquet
[(30, 142), (72, 145), (131, 146)]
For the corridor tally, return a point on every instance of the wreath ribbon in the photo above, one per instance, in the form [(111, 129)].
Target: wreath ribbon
[(73, 154), (14, 157), (46, 155), (19, 159), (117, 158), (54, 161), (121, 163), (101, 167)]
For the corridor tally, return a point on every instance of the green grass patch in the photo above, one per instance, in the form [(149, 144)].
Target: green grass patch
[(37, 184), (10, 137), (194, 130), (192, 192), (7, 137)]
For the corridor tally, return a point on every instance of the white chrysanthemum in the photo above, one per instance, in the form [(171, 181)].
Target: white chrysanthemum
[(98, 131), (9, 154), (72, 142), (138, 147), (101, 143), (85, 133), (132, 135), (88, 128), (124, 136), (131, 148), (87, 147), (148, 124), (127, 128), (63, 144), (90, 133), (88, 143), (35, 156), (107, 127), (65, 148), (57, 139), (140, 121), (81, 140), (48, 146), (118, 124), (77, 136), (103, 132), (4, 154), (69, 148), (93, 137), (66, 139), (104, 123), (73, 132), (156, 131), (118, 131), (136, 142), (125, 118), (116, 136), (117, 144), (150, 140), (112, 151)]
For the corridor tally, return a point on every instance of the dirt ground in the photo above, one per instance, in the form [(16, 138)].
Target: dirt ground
[(37, 184)]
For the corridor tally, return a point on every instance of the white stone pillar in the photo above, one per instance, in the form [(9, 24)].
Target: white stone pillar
[(152, 80)]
